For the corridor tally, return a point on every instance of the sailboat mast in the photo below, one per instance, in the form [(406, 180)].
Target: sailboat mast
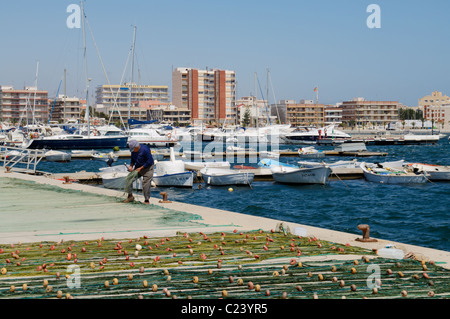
[(35, 91), (87, 115), (132, 72)]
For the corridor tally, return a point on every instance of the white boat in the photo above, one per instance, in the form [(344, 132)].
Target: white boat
[(310, 152), (151, 137), (339, 164), (310, 135), (224, 176), (117, 180), (297, 175), (269, 154), (196, 166), (196, 154), (435, 172), (385, 174), (112, 169), (172, 173), (105, 157), (57, 156)]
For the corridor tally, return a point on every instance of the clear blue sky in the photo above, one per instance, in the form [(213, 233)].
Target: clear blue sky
[(303, 43)]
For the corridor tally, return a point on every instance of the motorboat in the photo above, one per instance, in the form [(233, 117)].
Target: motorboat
[(295, 175), (151, 137), (310, 135), (387, 174), (435, 172), (224, 176), (57, 156)]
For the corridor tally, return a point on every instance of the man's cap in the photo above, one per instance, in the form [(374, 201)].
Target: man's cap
[(132, 144)]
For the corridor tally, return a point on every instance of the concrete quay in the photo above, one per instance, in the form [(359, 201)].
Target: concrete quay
[(210, 220)]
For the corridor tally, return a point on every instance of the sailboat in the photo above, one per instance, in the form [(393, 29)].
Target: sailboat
[(78, 141)]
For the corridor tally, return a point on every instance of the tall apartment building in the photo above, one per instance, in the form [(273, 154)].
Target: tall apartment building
[(209, 94), (64, 108), (26, 106), (436, 108), (305, 113), (366, 113), (333, 115), (115, 99)]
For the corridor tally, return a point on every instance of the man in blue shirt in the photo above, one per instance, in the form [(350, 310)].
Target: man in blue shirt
[(142, 162)]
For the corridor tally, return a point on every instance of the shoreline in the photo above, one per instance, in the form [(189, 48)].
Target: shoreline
[(212, 220)]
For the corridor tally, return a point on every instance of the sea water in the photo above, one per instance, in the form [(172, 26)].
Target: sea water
[(411, 214)]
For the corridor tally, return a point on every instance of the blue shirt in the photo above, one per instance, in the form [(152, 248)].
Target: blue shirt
[(143, 157)]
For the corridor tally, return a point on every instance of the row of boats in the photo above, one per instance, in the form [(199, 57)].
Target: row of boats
[(179, 173), (158, 135)]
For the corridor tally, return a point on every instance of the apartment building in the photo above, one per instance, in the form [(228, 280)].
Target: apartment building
[(305, 113), (210, 95), (366, 113), (26, 106), (436, 108), (333, 115), (64, 108), (115, 99)]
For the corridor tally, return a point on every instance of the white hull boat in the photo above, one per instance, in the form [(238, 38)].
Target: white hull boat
[(292, 175), (222, 176), (117, 180), (184, 179), (57, 156), (435, 172), (339, 164), (172, 173), (196, 166), (383, 174)]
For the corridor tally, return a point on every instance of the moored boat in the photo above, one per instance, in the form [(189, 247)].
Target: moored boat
[(296, 175), (385, 174), (435, 172), (57, 156), (224, 176)]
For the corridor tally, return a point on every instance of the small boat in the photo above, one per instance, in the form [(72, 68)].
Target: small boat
[(310, 152), (105, 157), (118, 179), (57, 156), (224, 176), (196, 166), (112, 169), (339, 164), (297, 175), (82, 153), (172, 173), (385, 174), (435, 172), (196, 155)]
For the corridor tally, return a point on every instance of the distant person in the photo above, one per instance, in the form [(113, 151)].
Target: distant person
[(142, 162)]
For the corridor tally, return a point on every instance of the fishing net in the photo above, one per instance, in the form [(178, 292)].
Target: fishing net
[(131, 177)]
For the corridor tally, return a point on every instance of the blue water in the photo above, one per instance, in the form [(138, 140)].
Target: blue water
[(414, 214)]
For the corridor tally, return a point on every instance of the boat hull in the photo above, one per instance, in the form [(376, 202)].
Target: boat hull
[(79, 143), (313, 175), (234, 178), (391, 178), (117, 180), (185, 179)]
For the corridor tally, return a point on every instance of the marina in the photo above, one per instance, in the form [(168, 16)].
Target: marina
[(183, 174)]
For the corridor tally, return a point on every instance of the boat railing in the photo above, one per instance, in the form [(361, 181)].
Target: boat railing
[(22, 160)]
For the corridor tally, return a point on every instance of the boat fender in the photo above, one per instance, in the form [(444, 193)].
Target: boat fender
[(35, 135)]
